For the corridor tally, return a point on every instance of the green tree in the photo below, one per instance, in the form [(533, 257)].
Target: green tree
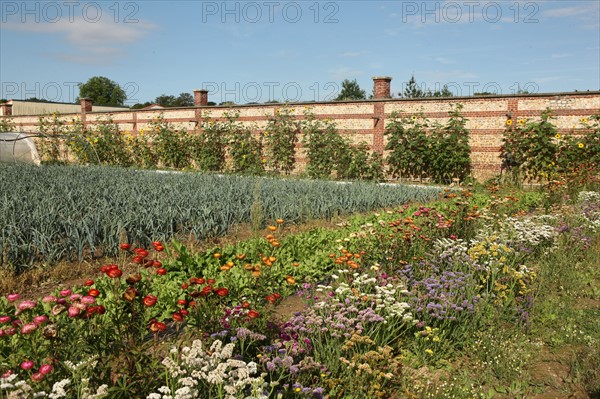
[(413, 90), (351, 91), (183, 100), (102, 91)]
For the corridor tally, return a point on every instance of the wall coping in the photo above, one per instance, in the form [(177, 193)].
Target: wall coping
[(308, 103)]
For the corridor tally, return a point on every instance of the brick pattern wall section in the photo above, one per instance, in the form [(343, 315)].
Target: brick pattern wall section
[(366, 120)]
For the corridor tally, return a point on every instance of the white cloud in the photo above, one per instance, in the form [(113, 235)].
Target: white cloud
[(91, 42)]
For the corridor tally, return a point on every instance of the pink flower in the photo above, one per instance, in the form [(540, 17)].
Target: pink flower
[(7, 374), (27, 365), (28, 328), (452, 236), (88, 300), (61, 301), (49, 298), (37, 377), (10, 331), (4, 319), (12, 297), (2, 333), (79, 306), (17, 322), (75, 297), (66, 292), (27, 305), (40, 319), (46, 369), (73, 311)]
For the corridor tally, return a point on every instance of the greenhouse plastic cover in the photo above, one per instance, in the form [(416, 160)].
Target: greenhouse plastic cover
[(18, 147)]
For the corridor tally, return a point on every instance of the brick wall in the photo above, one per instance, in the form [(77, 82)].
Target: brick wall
[(366, 120)]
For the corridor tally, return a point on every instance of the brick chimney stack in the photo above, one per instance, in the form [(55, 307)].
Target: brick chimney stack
[(382, 87), (200, 98)]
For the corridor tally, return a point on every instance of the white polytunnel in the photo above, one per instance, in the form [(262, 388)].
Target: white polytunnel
[(18, 147)]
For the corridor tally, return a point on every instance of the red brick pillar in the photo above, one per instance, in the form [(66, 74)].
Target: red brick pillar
[(200, 98), (382, 87), (6, 109), (86, 106)]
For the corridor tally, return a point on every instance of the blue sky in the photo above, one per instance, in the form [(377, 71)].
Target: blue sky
[(255, 51)]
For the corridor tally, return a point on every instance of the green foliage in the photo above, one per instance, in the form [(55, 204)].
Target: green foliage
[(450, 150), (110, 145), (351, 91), (281, 137), (183, 100), (54, 131), (169, 145), (413, 90), (355, 163), (537, 151), (245, 151), (408, 144), (102, 91), (209, 146), (324, 145), (419, 149), (47, 215)]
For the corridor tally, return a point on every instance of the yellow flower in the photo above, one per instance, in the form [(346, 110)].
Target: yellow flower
[(557, 136), (580, 145), (298, 389), (414, 118), (429, 351), (521, 121), (584, 120), (509, 122)]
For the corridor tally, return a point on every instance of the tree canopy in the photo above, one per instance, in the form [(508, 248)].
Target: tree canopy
[(351, 91), (413, 90), (102, 91)]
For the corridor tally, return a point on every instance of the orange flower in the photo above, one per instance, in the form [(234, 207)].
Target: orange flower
[(217, 255), (240, 256), (279, 221), (290, 280), (272, 228)]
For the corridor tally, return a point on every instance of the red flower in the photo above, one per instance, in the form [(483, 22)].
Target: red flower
[(114, 273), (125, 247), (157, 263), (271, 298), (184, 312), (245, 305), (253, 314), (184, 286), (210, 281), (150, 300), (223, 292), (181, 302), (141, 252), (88, 283), (156, 243), (206, 290), (177, 316), (159, 248), (200, 280), (94, 292), (161, 271), (138, 259), (277, 295), (106, 268), (157, 326), (100, 309)]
